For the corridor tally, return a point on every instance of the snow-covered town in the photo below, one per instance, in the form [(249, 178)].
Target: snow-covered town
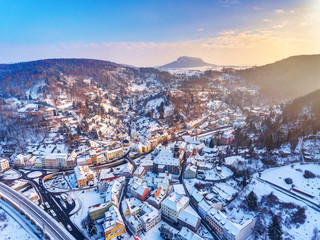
[(142, 169), (165, 120)]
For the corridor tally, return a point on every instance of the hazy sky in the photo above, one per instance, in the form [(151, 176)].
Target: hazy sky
[(151, 33)]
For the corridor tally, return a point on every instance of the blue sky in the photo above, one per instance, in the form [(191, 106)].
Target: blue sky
[(138, 32)]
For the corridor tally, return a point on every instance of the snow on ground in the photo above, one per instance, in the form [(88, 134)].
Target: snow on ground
[(87, 199), (56, 184), (154, 103), (294, 232), (224, 190), (295, 172), (10, 229), (135, 87), (11, 174), (154, 232), (213, 174), (34, 174)]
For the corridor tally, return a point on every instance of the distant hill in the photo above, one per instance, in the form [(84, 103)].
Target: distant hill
[(311, 100), (187, 62), (16, 78), (286, 79)]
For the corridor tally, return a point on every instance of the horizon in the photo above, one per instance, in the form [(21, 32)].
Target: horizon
[(145, 34), (129, 65)]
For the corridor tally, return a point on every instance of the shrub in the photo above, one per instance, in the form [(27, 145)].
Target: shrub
[(308, 174), (288, 180), (299, 216)]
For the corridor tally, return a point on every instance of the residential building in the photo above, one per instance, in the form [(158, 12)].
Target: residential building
[(83, 175), (134, 225), (172, 205), (114, 225), (227, 137), (140, 192), (19, 161), (115, 153), (4, 165), (165, 161), (189, 220), (190, 171), (226, 228), (150, 216), (56, 160), (98, 211)]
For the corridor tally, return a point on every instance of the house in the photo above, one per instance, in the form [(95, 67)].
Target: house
[(31, 161), (226, 229), (140, 215), (139, 172), (19, 161), (4, 165), (134, 225), (101, 158), (172, 205), (196, 197), (204, 207), (140, 192), (83, 175), (133, 206), (56, 160), (227, 137), (165, 161), (190, 172), (127, 170), (158, 196), (189, 220), (98, 211), (115, 153), (149, 216), (38, 163), (114, 225)]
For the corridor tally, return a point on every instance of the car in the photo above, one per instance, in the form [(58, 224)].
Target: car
[(69, 227)]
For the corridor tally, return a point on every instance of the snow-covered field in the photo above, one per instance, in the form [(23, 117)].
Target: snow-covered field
[(214, 175), (154, 233), (11, 174), (284, 206), (87, 198), (34, 174), (10, 229), (296, 172)]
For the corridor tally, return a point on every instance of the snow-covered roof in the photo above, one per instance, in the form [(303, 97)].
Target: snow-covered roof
[(113, 217), (188, 218), (165, 157), (229, 226), (175, 201)]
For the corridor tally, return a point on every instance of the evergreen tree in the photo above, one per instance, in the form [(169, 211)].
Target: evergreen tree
[(252, 201), (274, 229), (211, 144), (92, 228)]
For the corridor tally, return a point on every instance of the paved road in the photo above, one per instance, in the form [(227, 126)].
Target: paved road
[(61, 214), (52, 228)]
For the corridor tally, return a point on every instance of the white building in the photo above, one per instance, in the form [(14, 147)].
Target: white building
[(226, 228), (19, 160), (150, 217), (172, 205)]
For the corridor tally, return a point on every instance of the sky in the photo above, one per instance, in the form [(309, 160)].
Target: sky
[(153, 33)]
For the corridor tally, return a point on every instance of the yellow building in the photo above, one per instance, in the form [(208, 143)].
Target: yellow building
[(4, 165), (83, 175), (114, 223)]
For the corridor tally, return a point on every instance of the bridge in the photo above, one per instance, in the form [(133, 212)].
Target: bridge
[(44, 221)]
